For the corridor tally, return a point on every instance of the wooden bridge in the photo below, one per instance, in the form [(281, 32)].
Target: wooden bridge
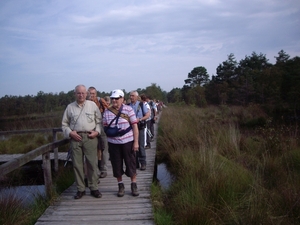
[(110, 209)]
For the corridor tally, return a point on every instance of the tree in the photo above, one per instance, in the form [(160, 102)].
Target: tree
[(174, 96), (197, 77), (282, 57), (249, 69), (155, 92), (227, 70)]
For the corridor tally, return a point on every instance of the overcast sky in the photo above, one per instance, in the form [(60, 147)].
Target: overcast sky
[(53, 45)]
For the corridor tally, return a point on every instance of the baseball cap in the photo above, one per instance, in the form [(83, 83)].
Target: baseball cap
[(117, 93)]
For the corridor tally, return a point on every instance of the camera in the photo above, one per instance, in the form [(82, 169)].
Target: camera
[(142, 124)]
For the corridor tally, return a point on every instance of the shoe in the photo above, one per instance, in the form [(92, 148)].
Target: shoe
[(148, 146), (79, 194), (143, 167), (96, 194), (121, 191), (86, 182), (103, 174), (134, 190)]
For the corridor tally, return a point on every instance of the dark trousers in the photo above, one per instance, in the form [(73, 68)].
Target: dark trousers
[(120, 153), (141, 156), (148, 132)]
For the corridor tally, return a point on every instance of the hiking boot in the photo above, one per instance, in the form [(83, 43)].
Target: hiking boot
[(96, 194), (121, 191), (134, 190), (79, 194), (143, 167), (103, 174)]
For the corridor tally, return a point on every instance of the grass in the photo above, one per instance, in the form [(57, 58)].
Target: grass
[(18, 144), (232, 165), (13, 211), (16, 213)]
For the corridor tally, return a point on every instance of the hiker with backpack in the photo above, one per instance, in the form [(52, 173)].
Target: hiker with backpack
[(142, 114), (153, 109)]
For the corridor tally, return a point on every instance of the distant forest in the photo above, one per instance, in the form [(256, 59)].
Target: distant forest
[(252, 80)]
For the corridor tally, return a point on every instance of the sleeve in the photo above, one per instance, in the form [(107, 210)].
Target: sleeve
[(66, 124), (98, 119)]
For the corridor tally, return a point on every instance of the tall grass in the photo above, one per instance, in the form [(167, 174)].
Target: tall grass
[(226, 171), (12, 209), (14, 212)]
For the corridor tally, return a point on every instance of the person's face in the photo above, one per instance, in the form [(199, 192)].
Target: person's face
[(116, 102), (133, 97), (80, 94), (93, 94)]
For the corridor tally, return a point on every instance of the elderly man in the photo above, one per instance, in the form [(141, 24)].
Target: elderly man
[(142, 113), (81, 123)]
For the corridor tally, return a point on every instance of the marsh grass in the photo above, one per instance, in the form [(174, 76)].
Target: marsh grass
[(14, 212), (31, 121), (227, 171)]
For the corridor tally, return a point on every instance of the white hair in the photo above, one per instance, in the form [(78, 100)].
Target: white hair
[(134, 92)]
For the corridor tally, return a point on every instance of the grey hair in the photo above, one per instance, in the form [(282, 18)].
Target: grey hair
[(134, 92), (79, 85)]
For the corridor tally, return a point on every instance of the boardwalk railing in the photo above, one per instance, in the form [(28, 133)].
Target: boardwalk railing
[(43, 150)]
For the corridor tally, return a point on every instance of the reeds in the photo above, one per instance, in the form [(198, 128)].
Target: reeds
[(227, 172)]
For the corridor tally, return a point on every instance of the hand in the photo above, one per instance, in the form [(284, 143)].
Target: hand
[(93, 134), (135, 147), (75, 136)]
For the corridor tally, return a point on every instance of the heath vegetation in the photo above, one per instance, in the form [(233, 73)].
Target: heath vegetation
[(232, 165)]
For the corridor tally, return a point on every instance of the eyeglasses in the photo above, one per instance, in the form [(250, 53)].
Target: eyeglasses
[(114, 98)]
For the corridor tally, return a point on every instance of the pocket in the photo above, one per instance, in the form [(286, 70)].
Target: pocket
[(89, 117), (74, 118)]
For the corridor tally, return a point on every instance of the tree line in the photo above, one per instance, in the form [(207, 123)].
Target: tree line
[(51, 102), (252, 80)]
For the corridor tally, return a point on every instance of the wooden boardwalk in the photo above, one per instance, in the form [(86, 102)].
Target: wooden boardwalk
[(110, 209)]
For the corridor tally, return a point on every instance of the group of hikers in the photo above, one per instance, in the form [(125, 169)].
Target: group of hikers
[(108, 129)]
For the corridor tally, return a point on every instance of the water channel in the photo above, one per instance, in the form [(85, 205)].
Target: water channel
[(28, 193)]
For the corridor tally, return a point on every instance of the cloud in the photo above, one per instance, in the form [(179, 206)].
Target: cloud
[(54, 45)]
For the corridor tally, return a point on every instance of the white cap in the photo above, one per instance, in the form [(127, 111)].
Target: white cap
[(117, 93)]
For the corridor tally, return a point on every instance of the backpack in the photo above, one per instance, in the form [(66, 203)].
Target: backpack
[(151, 103), (141, 124)]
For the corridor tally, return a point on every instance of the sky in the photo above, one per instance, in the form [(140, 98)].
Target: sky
[(54, 45)]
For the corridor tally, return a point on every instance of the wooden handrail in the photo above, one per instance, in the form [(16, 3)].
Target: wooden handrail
[(43, 150), (13, 164), (57, 129)]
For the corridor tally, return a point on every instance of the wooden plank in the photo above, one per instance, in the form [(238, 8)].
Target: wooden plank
[(115, 222)]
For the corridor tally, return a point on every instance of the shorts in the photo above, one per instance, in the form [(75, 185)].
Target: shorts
[(120, 153)]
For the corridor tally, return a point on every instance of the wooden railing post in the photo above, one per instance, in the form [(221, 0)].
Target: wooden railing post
[(47, 173), (55, 151)]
